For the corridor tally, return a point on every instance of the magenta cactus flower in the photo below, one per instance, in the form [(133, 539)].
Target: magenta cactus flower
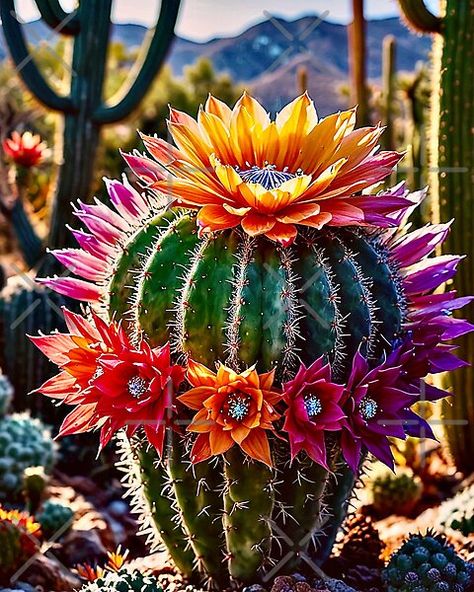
[(314, 408)]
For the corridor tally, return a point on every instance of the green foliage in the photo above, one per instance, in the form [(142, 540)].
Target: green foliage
[(54, 518), (395, 494), (426, 564), (24, 442), (124, 581)]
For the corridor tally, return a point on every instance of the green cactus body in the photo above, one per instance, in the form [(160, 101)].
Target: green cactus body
[(24, 442), (452, 188), (26, 309), (6, 394), (243, 301), (124, 581), (395, 494), (55, 519), (427, 563)]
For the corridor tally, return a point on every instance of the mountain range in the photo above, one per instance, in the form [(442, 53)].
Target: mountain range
[(266, 56)]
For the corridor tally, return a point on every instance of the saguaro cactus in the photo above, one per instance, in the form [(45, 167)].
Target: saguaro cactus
[(451, 156), (300, 323), (84, 109), (388, 90), (357, 61)]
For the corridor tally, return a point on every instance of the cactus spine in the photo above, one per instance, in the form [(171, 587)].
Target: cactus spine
[(452, 163), (84, 109), (24, 310), (238, 299)]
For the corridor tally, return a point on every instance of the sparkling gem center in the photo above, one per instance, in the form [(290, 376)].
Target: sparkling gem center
[(266, 176), (368, 408), (137, 386), (238, 406), (313, 405)]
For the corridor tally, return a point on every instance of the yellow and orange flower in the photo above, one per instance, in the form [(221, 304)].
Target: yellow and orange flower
[(238, 167), (231, 409)]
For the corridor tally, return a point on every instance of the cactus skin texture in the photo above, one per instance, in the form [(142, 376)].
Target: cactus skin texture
[(24, 442), (452, 163), (6, 394), (427, 564), (396, 494), (54, 518), (124, 581), (24, 310), (233, 298), (458, 512), (84, 109), (18, 542)]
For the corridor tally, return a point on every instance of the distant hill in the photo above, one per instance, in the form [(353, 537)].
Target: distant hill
[(266, 56)]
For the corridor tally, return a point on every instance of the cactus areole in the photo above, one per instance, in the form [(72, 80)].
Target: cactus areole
[(258, 323)]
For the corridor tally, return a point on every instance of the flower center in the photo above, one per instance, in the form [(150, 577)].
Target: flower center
[(238, 406), (368, 408), (312, 405), (137, 386), (267, 176), (98, 373)]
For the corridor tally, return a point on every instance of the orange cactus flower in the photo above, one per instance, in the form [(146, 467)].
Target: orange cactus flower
[(238, 167), (231, 409), (26, 150)]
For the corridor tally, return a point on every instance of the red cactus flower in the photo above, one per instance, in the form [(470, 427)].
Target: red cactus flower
[(26, 150), (112, 383), (232, 409), (313, 409)]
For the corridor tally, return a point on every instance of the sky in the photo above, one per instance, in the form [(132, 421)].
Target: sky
[(201, 20)]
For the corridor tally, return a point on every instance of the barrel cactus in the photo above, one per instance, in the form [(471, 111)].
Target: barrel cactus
[(123, 581), (19, 540), (54, 519), (257, 325), (26, 308), (427, 564), (396, 493), (24, 442)]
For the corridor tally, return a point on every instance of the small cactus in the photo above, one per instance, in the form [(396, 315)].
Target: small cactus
[(426, 564), (6, 394), (458, 512), (18, 541), (24, 442), (55, 519), (124, 581), (396, 494), (35, 482)]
